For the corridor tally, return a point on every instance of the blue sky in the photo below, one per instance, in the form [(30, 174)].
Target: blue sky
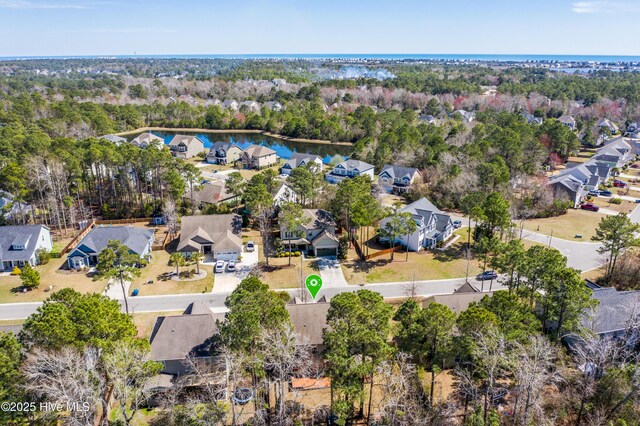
[(110, 27)]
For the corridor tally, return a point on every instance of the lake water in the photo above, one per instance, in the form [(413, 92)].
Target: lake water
[(283, 148)]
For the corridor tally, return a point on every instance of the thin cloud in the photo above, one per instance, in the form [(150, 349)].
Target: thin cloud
[(31, 5), (605, 7), (120, 30)]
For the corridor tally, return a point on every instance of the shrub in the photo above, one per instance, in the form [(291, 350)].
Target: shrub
[(343, 248), (44, 256), (16, 271), (615, 200), (287, 254), (30, 277), (296, 254)]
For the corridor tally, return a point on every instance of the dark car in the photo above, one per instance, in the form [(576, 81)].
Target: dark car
[(619, 184), (605, 193), (487, 275), (593, 193), (590, 207), (635, 166)]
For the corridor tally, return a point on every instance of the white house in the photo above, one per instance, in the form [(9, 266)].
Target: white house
[(568, 121), (605, 123), (21, 244), (231, 104), (349, 169), (215, 235), (433, 225), (397, 179)]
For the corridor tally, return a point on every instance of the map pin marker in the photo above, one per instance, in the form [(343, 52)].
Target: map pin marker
[(314, 284)]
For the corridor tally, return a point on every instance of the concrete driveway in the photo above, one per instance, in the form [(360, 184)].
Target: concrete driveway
[(331, 273), (226, 282)]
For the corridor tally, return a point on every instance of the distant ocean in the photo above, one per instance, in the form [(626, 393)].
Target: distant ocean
[(370, 56)]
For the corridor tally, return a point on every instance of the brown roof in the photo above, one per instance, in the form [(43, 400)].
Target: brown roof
[(257, 151), (186, 139), (211, 193), (318, 218), (177, 337), (457, 302), (223, 229), (309, 320)]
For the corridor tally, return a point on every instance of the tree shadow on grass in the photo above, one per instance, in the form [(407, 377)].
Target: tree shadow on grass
[(454, 252), (366, 267)]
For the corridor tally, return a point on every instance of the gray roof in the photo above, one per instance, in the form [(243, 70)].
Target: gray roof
[(424, 208), (222, 230), (309, 320), (113, 138), (224, 146), (351, 164), (457, 302), (136, 239), (177, 337), (399, 171), (210, 193), (318, 219), (567, 119), (186, 140), (146, 137), (257, 151), (613, 310), (19, 235), (296, 159)]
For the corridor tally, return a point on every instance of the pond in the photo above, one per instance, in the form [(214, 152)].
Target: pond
[(283, 148)]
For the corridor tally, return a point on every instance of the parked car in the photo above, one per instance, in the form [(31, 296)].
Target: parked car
[(590, 207), (231, 266), (250, 246), (457, 224), (487, 275), (605, 193), (593, 193), (219, 266), (619, 184), (635, 166)]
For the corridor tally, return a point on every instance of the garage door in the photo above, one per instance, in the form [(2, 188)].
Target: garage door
[(226, 255), (326, 252)]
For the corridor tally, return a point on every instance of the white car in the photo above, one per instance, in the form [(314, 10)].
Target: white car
[(219, 266), (251, 246), (231, 266)]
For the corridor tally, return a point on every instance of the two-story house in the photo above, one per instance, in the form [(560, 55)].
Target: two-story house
[(224, 153), (138, 240), (605, 123), (568, 121), (145, 140), (349, 169), (302, 160), (397, 179), (317, 237), (185, 146), (258, 157), (433, 225), (20, 245), (216, 235)]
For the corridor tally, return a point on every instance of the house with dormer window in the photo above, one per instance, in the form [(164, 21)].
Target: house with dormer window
[(21, 244), (397, 179), (348, 170), (302, 160), (433, 226), (224, 153), (316, 237), (185, 146)]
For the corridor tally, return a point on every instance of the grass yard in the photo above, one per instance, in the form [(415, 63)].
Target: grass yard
[(624, 207), (593, 274), (50, 275), (568, 225), (280, 275), (425, 265)]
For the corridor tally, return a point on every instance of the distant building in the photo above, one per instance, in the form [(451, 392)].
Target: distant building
[(460, 299), (349, 169), (211, 193), (302, 160), (428, 119), (231, 104), (532, 119), (467, 116), (274, 106), (146, 140), (569, 188), (117, 140), (397, 179), (185, 146), (568, 121), (215, 235), (178, 340), (251, 106), (224, 153), (605, 123), (138, 240), (283, 194), (259, 157), (20, 245), (433, 226)]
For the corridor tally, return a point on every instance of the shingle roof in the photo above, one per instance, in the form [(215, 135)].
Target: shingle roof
[(296, 159), (113, 138), (567, 119), (398, 171), (188, 140), (146, 138), (351, 164), (258, 151), (223, 230), (10, 235), (309, 320), (318, 218), (136, 239), (211, 193), (613, 311)]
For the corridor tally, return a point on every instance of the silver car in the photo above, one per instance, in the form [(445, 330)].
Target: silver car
[(219, 266)]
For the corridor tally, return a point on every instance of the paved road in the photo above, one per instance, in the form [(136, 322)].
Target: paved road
[(179, 302)]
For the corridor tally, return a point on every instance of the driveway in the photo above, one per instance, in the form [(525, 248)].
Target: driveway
[(226, 282), (331, 273)]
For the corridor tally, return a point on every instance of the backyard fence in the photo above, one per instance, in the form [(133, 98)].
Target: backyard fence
[(375, 254)]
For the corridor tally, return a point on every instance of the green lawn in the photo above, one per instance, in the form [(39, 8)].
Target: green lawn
[(568, 225)]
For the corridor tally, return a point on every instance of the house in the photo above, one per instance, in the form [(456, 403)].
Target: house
[(433, 226), (211, 193), (309, 320), (568, 121), (231, 104), (117, 140), (317, 237), (467, 116), (567, 187), (633, 130), (251, 106), (21, 244), (274, 106), (349, 169), (259, 157), (284, 194), (397, 179), (146, 140), (12, 209), (591, 173), (532, 119), (224, 153), (617, 152), (427, 119), (459, 300), (605, 123), (185, 146), (302, 160), (85, 254), (214, 235), (178, 340)]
